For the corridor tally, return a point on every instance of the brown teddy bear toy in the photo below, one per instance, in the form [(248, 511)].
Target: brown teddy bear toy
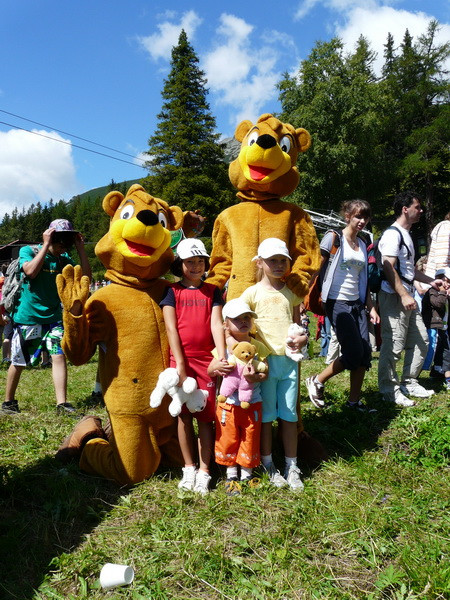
[(245, 362)]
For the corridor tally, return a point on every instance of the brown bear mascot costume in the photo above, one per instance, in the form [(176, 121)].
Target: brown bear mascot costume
[(263, 173), (125, 321)]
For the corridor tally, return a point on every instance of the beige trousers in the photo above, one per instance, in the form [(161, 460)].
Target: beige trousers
[(400, 330)]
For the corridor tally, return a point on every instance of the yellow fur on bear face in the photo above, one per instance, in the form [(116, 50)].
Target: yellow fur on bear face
[(268, 156), (138, 241), (244, 351)]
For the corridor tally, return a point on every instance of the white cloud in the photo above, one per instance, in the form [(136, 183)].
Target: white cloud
[(375, 25), (159, 45), (373, 19), (241, 73), (33, 169)]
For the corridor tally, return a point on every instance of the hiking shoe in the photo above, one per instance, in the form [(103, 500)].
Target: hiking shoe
[(398, 398), (292, 476), (315, 392), (188, 480), (87, 429), (361, 406), (11, 407), (413, 388), (232, 487), (275, 477), (65, 408), (202, 480)]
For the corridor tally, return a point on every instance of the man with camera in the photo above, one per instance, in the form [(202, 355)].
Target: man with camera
[(38, 316)]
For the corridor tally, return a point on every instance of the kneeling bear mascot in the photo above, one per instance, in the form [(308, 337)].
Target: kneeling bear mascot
[(125, 321)]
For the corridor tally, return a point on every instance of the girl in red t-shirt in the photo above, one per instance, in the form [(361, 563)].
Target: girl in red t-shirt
[(192, 311)]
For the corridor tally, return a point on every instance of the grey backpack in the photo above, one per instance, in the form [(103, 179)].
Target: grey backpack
[(12, 286)]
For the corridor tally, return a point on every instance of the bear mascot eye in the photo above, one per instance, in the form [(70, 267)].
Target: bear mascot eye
[(252, 138), (127, 212), (162, 218), (285, 144)]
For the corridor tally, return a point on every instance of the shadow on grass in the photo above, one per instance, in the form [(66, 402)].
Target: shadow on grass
[(346, 432), (46, 510)]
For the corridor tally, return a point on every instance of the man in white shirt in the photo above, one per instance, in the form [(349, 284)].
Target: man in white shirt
[(402, 327)]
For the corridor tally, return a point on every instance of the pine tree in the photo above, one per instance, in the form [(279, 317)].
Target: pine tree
[(186, 163)]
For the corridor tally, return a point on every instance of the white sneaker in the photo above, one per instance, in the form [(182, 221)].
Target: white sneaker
[(292, 476), (413, 388), (202, 480), (315, 392), (398, 398), (275, 477), (188, 480)]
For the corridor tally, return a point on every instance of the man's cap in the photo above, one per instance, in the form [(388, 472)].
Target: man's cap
[(272, 247), (62, 225), (191, 247), (445, 271), (235, 308)]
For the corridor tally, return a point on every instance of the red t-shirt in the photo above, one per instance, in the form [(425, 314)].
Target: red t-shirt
[(193, 307)]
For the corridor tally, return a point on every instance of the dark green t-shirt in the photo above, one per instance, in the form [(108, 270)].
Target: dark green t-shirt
[(39, 301)]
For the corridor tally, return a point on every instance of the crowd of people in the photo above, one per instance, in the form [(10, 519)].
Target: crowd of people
[(203, 329)]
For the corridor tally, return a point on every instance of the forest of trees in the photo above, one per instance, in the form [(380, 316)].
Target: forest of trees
[(372, 137)]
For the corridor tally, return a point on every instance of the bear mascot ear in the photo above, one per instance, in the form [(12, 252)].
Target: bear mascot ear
[(303, 139), (111, 202), (242, 129)]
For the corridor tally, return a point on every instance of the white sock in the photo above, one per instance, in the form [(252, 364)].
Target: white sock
[(232, 472), (291, 461), (317, 381), (190, 468), (246, 473), (97, 387), (266, 460)]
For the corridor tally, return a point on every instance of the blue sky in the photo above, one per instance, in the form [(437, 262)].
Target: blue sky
[(95, 69)]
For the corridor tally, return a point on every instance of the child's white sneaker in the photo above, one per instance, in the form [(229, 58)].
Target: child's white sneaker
[(202, 480), (275, 477), (188, 480), (292, 476)]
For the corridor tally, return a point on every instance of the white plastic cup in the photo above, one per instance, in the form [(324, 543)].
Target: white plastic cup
[(113, 575)]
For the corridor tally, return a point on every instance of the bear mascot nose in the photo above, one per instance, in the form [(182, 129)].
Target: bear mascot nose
[(266, 141), (147, 217)]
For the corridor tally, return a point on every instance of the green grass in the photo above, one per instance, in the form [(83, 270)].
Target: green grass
[(372, 522)]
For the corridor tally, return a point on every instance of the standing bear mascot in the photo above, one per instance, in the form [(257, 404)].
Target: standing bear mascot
[(125, 321), (264, 172)]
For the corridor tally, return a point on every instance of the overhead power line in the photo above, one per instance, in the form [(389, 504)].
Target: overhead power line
[(66, 133), (75, 145)]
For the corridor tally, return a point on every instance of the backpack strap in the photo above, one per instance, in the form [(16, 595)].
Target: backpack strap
[(408, 251)]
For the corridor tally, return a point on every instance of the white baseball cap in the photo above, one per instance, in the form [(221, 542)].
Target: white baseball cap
[(445, 271), (272, 247), (235, 308), (191, 247)]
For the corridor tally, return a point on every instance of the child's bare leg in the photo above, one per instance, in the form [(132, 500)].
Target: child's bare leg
[(266, 439), (186, 437), (205, 444), (289, 437)]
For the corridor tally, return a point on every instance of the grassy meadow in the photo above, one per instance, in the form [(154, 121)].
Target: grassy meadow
[(372, 522)]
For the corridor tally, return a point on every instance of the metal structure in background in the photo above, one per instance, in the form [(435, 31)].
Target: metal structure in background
[(331, 221)]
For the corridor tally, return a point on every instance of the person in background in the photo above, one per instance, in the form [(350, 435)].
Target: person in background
[(435, 314), (346, 295), (402, 327), (38, 317)]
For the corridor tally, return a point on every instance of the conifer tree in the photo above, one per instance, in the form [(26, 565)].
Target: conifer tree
[(186, 163)]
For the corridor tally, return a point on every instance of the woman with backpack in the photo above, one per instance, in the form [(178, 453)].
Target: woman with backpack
[(346, 297)]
